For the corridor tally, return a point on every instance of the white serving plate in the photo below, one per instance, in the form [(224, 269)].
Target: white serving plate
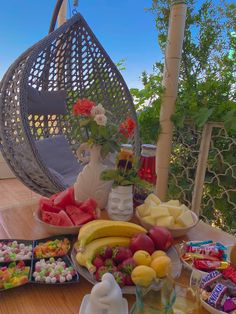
[(172, 253), (176, 232)]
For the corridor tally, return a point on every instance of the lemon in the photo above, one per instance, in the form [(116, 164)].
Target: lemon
[(157, 254), (142, 257), (161, 265), (143, 275)]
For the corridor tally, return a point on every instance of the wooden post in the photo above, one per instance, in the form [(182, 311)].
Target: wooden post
[(170, 83), (62, 16)]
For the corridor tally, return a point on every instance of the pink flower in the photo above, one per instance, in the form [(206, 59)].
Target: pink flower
[(83, 107), (100, 119), (99, 109)]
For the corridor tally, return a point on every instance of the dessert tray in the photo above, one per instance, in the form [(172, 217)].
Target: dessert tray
[(42, 261), (172, 253)]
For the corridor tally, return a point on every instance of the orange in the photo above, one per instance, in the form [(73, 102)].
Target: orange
[(157, 254), (142, 257)]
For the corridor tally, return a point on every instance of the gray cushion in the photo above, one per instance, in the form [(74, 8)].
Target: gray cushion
[(59, 159), (46, 102)]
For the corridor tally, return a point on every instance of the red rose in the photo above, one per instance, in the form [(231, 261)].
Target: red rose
[(127, 127), (83, 107)]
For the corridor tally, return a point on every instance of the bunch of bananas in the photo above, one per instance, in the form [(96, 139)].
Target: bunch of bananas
[(98, 234)]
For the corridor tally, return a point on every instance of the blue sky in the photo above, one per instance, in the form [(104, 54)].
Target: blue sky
[(123, 27)]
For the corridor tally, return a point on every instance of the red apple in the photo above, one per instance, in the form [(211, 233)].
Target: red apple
[(161, 237), (141, 242)]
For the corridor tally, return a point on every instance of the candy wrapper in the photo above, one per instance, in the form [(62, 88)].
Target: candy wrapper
[(208, 265), (217, 295), (207, 248)]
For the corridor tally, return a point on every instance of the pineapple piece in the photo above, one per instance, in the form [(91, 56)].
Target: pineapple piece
[(143, 210), (167, 221), (152, 198), (159, 211), (150, 220), (177, 226), (173, 203), (186, 219)]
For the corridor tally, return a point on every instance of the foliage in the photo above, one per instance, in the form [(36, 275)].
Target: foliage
[(206, 90), (126, 171)]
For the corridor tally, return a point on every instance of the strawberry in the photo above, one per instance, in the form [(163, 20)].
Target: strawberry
[(106, 252), (109, 262), (120, 278), (98, 262), (100, 272), (128, 280), (127, 266), (120, 254)]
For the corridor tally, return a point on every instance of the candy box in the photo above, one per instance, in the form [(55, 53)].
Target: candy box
[(14, 274), (53, 270), (15, 250)]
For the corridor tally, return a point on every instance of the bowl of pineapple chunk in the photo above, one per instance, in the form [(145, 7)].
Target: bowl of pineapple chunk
[(177, 217)]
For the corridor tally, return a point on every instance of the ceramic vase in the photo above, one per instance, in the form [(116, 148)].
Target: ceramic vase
[(120, 203), (88, 183)]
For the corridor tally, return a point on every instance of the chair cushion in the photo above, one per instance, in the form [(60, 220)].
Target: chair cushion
[(58, 157), (46, 102)]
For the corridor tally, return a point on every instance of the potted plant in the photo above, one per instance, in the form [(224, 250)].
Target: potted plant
[(124, 176), (100, 136)]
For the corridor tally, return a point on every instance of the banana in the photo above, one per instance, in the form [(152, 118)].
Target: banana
[(106, 228), (85, 258)]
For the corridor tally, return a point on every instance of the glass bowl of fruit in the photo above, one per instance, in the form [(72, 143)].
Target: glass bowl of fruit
[(173, 215)]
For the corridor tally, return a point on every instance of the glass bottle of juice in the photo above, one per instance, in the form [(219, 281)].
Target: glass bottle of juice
[(147, 172)]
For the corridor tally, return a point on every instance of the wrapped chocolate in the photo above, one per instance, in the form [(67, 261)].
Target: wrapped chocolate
[(217, 295), (229, 305), (209, 265), (209, 279)]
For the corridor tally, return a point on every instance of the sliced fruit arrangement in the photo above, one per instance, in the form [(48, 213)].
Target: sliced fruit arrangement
[(120, 247), (13, 275), (52, 248), (169, 214), (61, 209)]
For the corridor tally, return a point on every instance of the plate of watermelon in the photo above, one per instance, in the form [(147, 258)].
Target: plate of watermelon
[(61, 214)]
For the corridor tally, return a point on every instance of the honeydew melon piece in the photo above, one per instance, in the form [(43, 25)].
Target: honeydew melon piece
[(150, 219), (152, 198), (184, 207), (175, 211), (159, 211), (143, 210), (177, 226), (167, 221), (173, 203), (186, 219)]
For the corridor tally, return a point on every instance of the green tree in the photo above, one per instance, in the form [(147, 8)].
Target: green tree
[(207, 90)]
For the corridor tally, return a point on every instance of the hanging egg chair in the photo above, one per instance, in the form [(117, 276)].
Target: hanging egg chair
[(36, 95)]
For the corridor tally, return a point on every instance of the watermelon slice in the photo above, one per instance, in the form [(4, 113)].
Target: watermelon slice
[(64, 219), (70, 209), (51, 218), (46, 204), (65, 198), (89, 206)]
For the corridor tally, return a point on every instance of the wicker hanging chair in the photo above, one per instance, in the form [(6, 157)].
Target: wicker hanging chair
[(36, 95)]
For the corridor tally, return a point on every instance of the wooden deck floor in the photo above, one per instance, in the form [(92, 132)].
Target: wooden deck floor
[(12, 191)]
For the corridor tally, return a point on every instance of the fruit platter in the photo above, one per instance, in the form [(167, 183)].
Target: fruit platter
[(133, 255), (61, 214), (204, 256), (44, 261), (177, 217)]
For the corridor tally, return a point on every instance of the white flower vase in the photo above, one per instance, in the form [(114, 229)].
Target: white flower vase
[(88, 183), (120, 203)]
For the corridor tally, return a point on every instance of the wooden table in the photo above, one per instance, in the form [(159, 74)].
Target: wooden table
[(17, 223)]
